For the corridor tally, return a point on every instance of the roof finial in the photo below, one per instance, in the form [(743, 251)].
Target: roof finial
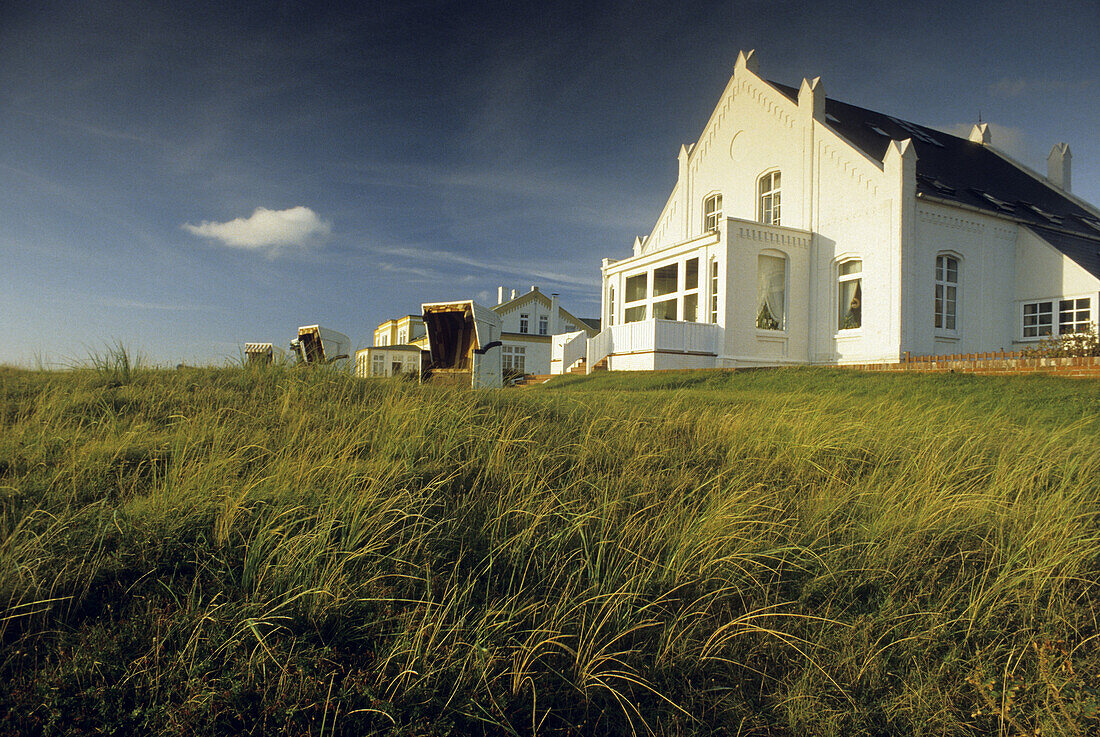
[(979, 116)]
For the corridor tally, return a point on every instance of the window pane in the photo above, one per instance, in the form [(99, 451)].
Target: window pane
[(771, 283), (851, 267), (851, 308), (691, 273), (691, 307), (665, 279), (665, 310), (636, 287), (634, 314)]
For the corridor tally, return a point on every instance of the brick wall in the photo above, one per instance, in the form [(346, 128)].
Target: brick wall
[(990, 363)]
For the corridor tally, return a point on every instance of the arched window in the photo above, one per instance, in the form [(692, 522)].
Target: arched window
[(850, 294), (712, 212), (771, 292), (947, 292), (768, 191)]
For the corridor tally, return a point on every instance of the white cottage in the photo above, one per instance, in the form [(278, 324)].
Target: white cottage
[(806, 230), (529, 321)]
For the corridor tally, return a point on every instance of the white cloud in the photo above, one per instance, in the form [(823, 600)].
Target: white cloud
[(267, 230)]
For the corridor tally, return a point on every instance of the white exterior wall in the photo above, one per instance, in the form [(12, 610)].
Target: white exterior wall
[(847, 206), (744, 344), (536, 356), (986, 251), (1042, 272)]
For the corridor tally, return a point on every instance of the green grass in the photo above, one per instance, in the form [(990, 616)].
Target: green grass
[(792, 552)]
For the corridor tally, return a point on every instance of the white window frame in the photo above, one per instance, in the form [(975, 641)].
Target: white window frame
[(378, 364), (784, 321), (713, 277), (1056, 312), (611, 305), (514, 358), (524, 322), (686, 291), (544, 324), (769, 201), (943, 287), (712, 211), (643, 301), (842, 279)]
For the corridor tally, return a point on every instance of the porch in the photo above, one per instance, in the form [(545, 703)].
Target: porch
[(655, 344)]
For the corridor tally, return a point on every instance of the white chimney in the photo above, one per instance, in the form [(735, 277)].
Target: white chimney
[(980, 134), (555, 315), (534, 288), (513, 294), (1058, 166), (500, 295)]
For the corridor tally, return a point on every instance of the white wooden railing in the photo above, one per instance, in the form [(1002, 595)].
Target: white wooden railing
[(566, 349), (655, 335)]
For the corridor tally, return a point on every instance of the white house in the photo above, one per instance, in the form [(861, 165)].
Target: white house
[(389, 360), (405, 330), (806, 230), (528, 323)]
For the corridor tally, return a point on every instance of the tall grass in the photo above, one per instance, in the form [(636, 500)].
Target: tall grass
[(794, 552)]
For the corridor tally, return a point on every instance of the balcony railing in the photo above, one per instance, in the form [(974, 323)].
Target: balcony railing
[(666, 336)]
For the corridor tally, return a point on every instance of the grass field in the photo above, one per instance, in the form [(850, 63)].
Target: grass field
[(793, 552)]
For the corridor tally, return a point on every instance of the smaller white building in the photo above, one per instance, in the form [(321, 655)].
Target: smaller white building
[(391, 360), (529, 323)]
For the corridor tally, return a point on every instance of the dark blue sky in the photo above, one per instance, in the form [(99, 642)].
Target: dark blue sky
[(441, 148)]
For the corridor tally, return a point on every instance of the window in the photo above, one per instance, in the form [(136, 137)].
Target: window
[(402, 336), (378, 364), (611, 306), (947, 291), (714, 291), (396, 367), (665, 280), (771, 292), (512, 358), (850, 295), (691, 274), (637, 287), (769, 198), (1074, 316), (544, 324), (1038, 319), (523, 323), (691, 307), (361, 366), (665, 309), (712, 212), (384, 339)]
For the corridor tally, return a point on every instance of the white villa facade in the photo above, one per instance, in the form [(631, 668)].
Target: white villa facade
[(528, 323), (808, 231)]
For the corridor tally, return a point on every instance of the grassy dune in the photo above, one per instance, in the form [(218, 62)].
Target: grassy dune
[(797, 552)]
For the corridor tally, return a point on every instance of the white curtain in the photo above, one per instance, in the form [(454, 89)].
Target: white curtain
[(771, 292)]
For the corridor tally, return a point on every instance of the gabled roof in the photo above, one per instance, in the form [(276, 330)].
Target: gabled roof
[(1085, 252), (964, 171), (545, 300)]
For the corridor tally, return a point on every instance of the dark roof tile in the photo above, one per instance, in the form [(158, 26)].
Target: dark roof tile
[(959, 170)]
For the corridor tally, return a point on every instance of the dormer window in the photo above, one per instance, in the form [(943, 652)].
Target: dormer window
[(712, 212), (768, 189)]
